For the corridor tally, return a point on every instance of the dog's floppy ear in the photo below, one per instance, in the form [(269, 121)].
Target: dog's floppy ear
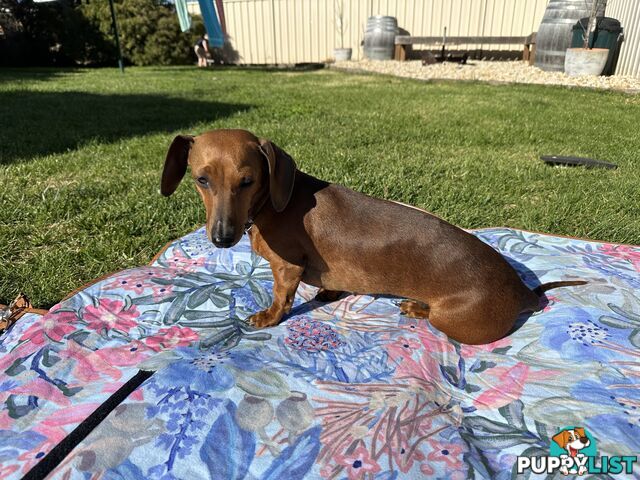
[(561, 438), (175, 165), (580, 432), (282, 173)]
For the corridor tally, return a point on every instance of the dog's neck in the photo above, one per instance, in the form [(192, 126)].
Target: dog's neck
[(254, 212), (262, 214)]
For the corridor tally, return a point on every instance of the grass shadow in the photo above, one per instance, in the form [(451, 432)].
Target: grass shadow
[(43, 123), (9, 75)]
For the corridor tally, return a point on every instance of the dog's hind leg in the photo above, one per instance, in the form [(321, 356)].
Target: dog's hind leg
[(414, 309), (325, 295)]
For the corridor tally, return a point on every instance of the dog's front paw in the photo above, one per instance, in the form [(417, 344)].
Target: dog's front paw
[(564, 470), (263, 319), (582, 470)]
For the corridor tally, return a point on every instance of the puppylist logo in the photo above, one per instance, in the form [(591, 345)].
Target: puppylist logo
[(573, 451)]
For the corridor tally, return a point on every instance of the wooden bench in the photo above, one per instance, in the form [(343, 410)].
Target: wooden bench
[(403, 42), (529, 53)]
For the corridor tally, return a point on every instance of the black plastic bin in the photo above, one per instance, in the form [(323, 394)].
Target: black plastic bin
[(608, 34)]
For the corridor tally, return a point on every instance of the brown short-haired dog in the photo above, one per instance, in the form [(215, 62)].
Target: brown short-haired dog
[(340, 240)]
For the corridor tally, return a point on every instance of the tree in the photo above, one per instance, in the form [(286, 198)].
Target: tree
[(39, 33), (65, 32), (149, 31)]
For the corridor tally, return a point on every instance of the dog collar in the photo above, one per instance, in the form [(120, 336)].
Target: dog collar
[(250, 221)]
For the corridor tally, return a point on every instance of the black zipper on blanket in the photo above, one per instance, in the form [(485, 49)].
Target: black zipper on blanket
[(60, 451)]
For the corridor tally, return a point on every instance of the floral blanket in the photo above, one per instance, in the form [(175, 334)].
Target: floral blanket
[(350, 389)]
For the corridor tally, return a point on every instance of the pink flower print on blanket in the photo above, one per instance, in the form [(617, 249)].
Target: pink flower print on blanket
[(623, 252), (358, 463), (45, 391), (471, 351), (448, 453), (311, 335), (139, 280), (53, 326), (126, 355), (110, 314), (508, 384), (180, 261), (167, 338), (405, 452), (421, 356), (89, 365), (404, 346)]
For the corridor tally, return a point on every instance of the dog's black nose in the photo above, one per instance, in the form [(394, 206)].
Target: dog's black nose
[(584, 440), (223, 234), (223, 242)]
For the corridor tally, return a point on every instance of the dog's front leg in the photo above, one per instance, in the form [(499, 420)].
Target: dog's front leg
[(286, 278)]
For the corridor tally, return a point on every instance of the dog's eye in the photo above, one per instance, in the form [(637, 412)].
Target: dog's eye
[(202, 181), (246, 181)]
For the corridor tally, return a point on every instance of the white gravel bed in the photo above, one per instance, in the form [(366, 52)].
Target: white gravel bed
[(489, 71)]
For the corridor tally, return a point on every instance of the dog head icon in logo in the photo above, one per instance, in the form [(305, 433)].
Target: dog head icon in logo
[(573, 442)]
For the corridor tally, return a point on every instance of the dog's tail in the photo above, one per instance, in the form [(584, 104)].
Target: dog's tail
[(540, 289)]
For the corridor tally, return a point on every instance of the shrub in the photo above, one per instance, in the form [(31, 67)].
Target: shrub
[(41, 33), (65, 33), (149, 31)]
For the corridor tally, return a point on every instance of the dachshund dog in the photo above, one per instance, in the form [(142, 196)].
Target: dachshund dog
[(340, 240)]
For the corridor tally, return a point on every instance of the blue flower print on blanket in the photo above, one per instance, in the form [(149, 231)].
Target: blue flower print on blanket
[(622, 422), (202, 370), (576, 334)]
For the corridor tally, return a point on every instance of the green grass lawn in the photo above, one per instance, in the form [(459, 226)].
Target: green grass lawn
[(81, 153)]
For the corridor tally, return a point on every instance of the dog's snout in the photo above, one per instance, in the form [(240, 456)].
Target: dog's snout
[(223, 233), (584, 440)]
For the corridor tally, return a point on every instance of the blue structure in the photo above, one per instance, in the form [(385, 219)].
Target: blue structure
[(211, 23)]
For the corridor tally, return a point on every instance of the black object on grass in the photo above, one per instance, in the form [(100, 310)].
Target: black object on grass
[(577, 161)]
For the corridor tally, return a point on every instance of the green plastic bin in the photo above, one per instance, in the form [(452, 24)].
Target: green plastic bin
[(608, 34)]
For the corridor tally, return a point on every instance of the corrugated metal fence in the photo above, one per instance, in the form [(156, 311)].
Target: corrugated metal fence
[(628, 12), (293, 31)]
